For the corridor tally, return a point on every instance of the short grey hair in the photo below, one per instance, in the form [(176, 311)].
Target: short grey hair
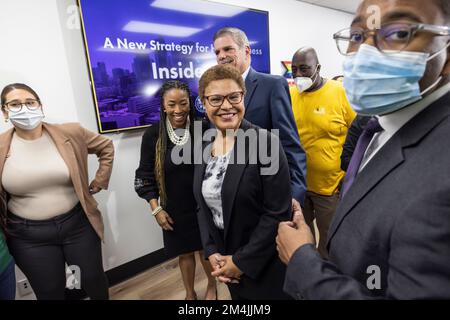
[(238, 36)]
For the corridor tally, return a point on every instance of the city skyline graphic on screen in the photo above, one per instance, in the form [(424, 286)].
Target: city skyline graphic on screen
[(133, 47)]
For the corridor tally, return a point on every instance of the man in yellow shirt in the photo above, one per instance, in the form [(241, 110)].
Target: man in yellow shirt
[(323, 116)]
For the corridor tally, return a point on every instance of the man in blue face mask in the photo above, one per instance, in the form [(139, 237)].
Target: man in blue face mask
[(390, 237)]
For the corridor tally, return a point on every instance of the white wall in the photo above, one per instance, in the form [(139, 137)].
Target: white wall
[(294, 24), (40, 47)]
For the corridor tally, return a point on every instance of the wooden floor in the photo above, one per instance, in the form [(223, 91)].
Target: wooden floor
[(164, 282)]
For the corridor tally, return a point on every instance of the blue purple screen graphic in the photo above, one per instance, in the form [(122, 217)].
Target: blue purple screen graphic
[(135, 46)]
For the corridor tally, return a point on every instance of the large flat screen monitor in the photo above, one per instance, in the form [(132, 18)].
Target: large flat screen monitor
[(134, 46)]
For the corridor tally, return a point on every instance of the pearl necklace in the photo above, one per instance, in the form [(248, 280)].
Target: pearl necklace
[(176, 140)]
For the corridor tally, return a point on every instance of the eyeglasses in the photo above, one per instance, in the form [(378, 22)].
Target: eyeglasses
[(16, 106), (391, 37), (217, 100)]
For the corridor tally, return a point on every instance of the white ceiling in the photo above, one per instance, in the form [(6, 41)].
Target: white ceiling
[(349, 6)]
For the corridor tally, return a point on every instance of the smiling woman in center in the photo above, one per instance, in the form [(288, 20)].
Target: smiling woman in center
[(240, 205)]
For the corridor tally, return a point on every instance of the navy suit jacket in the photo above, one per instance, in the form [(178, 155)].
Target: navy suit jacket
[(268, 105), (393, 223)]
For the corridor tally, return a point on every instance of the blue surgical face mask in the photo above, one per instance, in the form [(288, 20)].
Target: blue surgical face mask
[(26, 119), (379, 83)]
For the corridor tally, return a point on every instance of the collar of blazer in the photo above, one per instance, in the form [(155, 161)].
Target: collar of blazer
[(251, 82), (231, 181), (391, 156), (62, 143)]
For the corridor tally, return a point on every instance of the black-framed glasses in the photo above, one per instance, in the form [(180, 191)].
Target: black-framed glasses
[(16, 106), (216, 100), (391, 37)]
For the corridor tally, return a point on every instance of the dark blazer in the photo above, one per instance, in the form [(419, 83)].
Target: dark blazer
[(253, 205), (268, 105), (394, 222)]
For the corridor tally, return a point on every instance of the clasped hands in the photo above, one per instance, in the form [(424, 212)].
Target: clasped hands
[(224, 268), (291, 236)]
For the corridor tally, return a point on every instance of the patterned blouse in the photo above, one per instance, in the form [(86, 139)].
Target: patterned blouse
[(212, 186)]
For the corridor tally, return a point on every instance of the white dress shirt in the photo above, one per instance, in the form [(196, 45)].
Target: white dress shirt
[(245, 74)]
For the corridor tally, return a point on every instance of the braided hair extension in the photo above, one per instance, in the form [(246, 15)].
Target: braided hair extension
[(161, 144)]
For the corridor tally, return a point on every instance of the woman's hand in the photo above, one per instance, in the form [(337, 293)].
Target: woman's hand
[(228, 271), (93, 188), (217, 261), (164, 220)]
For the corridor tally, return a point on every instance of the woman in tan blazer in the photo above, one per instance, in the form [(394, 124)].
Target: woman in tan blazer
[(50, 213)]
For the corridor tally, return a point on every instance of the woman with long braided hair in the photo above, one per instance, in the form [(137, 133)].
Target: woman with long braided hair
[(159, 177)]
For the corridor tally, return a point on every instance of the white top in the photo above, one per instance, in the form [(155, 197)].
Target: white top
[(392, 122), (212, 186), (37, 179)]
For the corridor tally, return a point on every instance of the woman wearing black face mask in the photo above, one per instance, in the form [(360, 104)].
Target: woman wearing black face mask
[(50, 216)]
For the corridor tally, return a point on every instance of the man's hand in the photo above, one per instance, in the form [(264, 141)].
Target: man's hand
[(292, 235), (296, 206), (93, 188)]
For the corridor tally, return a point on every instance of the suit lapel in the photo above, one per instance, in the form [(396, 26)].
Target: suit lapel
[(389, 157), (251, 82), (229, 189), (198, 177), (232, 179)]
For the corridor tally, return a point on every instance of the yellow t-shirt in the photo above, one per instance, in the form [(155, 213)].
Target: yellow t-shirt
[(323, 118)]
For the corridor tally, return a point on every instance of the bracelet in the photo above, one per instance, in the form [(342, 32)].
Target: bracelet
[(157, 210)]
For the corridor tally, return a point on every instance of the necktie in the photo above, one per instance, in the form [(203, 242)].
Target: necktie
[(366, 136)]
